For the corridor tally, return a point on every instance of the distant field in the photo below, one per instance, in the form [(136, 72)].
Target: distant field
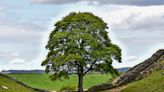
[(152, 83), (42, 81)]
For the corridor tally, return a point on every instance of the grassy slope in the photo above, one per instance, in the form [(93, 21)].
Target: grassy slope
[(42, 80), (12, 85), (152, 83)]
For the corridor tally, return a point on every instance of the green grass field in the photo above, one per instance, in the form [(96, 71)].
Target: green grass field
[(42, 81), (152, 83), (12, 86)]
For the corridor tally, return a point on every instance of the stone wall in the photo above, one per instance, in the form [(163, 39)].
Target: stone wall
[(100, 87), (137, 72), (143, 69)]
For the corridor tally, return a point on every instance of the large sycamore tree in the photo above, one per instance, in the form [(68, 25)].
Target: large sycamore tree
[(78, 44)]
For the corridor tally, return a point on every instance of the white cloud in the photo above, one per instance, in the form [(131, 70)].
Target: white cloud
[(9, 54), (130, 58), (19, 64), (121, 2), (20, 33), (24, 64), (55, 1), (17, 61), (149, 18)]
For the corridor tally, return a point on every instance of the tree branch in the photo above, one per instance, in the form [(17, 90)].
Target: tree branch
[(90, 67)]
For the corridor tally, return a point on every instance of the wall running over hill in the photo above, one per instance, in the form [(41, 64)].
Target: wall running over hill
[(143, 69), (156, 61)]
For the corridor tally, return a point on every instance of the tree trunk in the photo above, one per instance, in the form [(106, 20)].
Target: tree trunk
[(80, 76), (80, 84)]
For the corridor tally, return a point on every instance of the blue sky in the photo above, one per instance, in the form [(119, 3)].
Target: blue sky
[(137, 27)]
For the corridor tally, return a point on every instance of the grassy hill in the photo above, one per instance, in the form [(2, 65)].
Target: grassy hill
[(43, 81), (153, 83), (9, 85)]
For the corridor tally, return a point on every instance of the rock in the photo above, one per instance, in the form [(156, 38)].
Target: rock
[(4, 87)]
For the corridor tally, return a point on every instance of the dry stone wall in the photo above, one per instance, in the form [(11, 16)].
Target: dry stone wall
[(156, 61)]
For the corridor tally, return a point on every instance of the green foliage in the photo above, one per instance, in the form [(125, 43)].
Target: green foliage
[(12, 86), (79, 43), (42, 81), (67, 88), (152, 83)]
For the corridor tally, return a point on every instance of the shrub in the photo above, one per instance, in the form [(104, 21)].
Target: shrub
[(67, 88)]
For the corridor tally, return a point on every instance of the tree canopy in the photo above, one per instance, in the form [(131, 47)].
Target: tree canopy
[(79, 44)]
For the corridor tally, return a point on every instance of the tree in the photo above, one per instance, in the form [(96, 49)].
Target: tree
[(79, 44)]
